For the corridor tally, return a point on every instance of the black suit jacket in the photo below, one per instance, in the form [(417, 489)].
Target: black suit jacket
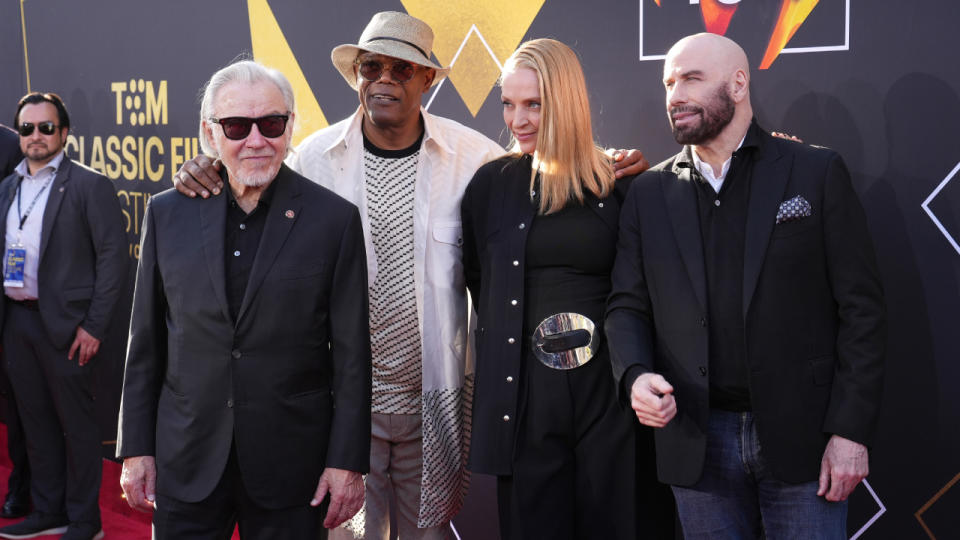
[(288, 382), (10, 154), (83, 252), (497, 215), (812, 306)]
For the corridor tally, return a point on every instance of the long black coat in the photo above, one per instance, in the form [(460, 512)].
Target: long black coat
[(497, 214)]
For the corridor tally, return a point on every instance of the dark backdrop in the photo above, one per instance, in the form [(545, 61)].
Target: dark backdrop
[(877, 80)]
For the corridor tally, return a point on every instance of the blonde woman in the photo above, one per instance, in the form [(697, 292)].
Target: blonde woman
[(540, 232)]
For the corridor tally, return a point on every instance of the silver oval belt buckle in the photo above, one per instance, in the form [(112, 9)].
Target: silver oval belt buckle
[(564, 341)]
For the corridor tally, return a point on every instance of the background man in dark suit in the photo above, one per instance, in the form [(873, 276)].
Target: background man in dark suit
[(65, 263), (17, 502), (746, 320), (246, 395)]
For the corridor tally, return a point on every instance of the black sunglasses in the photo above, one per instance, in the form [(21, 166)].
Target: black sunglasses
[(47, 128), (372, 70), (237, 128)]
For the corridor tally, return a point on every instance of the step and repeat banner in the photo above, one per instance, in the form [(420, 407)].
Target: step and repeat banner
[(876, 80)]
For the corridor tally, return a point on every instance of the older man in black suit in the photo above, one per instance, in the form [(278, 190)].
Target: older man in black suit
[(746, 321), (65, 262), (246, 395)]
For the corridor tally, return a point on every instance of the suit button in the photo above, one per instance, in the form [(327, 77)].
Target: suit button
[(703, 321), (230, 403), (600, 205), (509, 378), (506, 418), (235, 353), (703, 371), (523, 225), (516, 263), (513, 302), (511, 341)]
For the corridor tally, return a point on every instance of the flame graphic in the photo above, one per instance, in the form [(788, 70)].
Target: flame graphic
[(792, 15), (716, 16)]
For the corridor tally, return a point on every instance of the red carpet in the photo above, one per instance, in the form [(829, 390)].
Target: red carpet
[(120, 522)]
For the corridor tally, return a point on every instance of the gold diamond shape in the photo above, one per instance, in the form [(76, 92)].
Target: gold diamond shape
[(474, 74), (502, 23)]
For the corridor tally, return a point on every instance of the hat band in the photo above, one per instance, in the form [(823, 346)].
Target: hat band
[(425, 55)]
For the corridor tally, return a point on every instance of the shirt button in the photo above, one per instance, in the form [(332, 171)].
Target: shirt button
[(516, 263), (716, 202), (506, 418), (243, 226), (511, 341), (230, 403), (509, 378), (513, 302), (235, 353), (600, 205), (236, 253), (523, 225), (703, 370)]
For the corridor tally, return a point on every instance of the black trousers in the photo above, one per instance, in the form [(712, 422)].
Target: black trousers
[(18, 484), (574, 463), (57, 410), (215, 517)]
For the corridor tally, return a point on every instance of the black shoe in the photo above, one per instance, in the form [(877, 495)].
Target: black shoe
[(15, 507), (36, 524), (83, 531)]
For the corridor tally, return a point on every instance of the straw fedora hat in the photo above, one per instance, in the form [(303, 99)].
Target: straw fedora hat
[(394, 34)]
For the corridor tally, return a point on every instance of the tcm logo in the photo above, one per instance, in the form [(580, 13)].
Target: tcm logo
[(140, 102), (762, 27)]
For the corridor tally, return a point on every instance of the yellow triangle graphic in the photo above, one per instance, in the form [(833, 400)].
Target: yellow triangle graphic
[(271, 49)]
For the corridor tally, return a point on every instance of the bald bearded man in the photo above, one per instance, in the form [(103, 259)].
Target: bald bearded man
[(747, 320)]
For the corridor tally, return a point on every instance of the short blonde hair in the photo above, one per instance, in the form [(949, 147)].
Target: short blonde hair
[(567, 157)]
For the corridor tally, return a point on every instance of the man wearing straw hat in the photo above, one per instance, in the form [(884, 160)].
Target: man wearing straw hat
[(406, 170)]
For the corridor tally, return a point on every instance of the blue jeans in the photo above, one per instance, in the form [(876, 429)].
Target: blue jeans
[(737, 497)]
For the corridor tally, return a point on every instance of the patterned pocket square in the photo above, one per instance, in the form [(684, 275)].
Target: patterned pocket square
[(793, 210)]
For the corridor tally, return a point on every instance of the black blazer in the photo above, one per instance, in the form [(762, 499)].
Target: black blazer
[(812, 306), (83, 252), (496, 216), (288, 382), (10, 154)]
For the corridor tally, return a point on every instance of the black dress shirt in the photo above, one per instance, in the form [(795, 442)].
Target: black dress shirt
[(241, 241)]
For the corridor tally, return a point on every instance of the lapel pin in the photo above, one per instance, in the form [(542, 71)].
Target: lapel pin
[(289, 214)]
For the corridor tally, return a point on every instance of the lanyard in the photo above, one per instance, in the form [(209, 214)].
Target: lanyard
[(23, 217)]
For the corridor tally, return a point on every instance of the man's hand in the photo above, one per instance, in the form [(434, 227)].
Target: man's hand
[(651, 397), (86, 344), (346, 495), (845, 463), (786, 136), (627, 162), (199, 176), (139, 482)]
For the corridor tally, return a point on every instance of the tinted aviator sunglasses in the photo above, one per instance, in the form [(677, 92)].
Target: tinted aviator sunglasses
[(237, 128), (372, 70), (47, 128)]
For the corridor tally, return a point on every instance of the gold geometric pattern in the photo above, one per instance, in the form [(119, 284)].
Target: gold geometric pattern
[(271, 49), (475, 37), (928, 504)]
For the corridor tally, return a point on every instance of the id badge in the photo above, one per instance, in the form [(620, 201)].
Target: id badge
[(13, 263)]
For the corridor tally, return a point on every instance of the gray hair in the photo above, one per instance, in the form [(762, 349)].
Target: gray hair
[(246, 71)]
